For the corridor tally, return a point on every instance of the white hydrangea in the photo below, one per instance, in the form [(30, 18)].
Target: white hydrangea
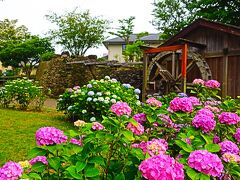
[(92, 119), (89, 99), (95, 99), (101, 99), (84, 111), (113, 101), (90, 93)]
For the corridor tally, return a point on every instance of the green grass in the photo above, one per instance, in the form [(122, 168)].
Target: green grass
[(17, 131)]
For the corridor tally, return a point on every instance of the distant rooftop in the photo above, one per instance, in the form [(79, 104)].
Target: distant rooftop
[(149, 39)]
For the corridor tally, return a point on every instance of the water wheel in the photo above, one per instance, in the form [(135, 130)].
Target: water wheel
[(164, 71)]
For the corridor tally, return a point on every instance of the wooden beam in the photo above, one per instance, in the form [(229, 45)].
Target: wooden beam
[(160, 49), (184, 67), (192, 43), (217, 54), (145, 78)]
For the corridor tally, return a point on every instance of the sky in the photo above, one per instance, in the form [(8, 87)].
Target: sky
[(31, 13)]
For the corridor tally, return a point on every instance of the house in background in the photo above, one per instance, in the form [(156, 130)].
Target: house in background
[(117, 45)]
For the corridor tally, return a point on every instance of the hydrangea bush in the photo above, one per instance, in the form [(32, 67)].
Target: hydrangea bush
[(94, 100), (173, 137)]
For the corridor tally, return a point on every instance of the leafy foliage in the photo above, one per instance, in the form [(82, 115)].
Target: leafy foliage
[(77, 31), (133, 51)]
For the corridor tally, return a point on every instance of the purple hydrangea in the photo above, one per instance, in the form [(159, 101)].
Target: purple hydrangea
[(229, 147), (237, 135), (216, 139), (11, 171), (41, 159), (206, 112), (181, 104), (121, 108), (204, 122), (159, 166), (138, 130), (195, 101), (228, 118), (49, 136), (153, 102), (212, 84), (205, 162), (97, 126), (140, 118), (75, 141)]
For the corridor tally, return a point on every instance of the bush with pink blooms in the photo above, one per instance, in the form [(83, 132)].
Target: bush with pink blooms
[(184, 136)]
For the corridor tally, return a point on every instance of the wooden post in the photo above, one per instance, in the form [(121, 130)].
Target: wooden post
[(145, 74), (225, 75), (184, 67), (173, 65)]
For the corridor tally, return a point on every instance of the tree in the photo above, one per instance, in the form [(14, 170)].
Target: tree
[(172, 15), (9, 31), (25, 54), (77, 31)]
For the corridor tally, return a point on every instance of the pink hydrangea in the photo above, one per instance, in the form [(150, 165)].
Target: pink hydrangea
[(237, 135), (11, 171), (138, 130), (205, 162), (228, 118), (97, 126), (206, 112), (41, 159), (154, 102), (156, 146), (216, 139), (140, 118), (195, 101), (212, 108), (198, 81), (159, 166), (167, 122), (204, 122), (229, 157), (212, 84), (228, 147), (181, 104), (76, 141), (121, 108), (49, 136)]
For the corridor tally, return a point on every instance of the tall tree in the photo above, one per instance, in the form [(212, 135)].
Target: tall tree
[(77, 31), (25, 54), (172, 15), (125, 29)]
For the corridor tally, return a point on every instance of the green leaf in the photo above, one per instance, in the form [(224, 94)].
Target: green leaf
[(91, 172), (34, 176), (80, 166), (54, 163), (186, 147), (120, 176), (128, 135), (73, 173), (133, 122), (212, 147), (192, 173), (38, 167), (138, 153), (207, 138), (37, 152), (204, 177), (97, 160)]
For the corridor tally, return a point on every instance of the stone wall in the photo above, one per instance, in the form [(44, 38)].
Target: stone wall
[(57, 75)]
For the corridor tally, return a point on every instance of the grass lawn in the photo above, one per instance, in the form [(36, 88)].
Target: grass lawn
[(17, 131)]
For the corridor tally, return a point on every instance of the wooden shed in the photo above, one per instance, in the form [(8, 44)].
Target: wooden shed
[(215, 49)]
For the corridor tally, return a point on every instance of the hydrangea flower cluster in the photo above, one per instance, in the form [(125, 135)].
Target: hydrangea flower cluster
[(41, 159), (230, 157), (198, 81), (159, 166), (228, 147), (50, 135), (140, 118), (166, 120), (228, 118), (181, 104), (206, 112), (212, 84), (205, 162), (195, 101), (154, 102), (204, 122), (75, 141), (138, 130), (97, 126), (121, 108), (11, 171), (79, 123), (216, 139), (237, 135), (182, 94), (212, 108), (25, 164)]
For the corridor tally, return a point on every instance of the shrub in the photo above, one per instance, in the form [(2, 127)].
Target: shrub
[(92, 101), (21, 92)]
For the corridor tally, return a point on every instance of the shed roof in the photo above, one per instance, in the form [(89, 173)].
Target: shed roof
[(227, 28)]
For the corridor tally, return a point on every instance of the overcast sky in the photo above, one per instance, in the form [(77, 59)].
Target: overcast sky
[(31, 13)]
